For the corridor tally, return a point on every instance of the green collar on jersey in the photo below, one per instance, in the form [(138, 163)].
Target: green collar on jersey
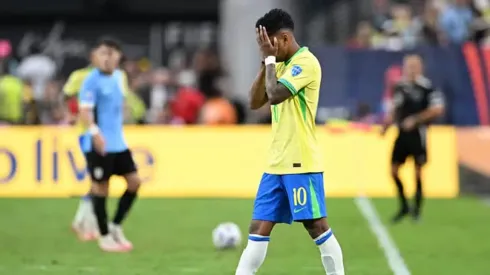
[(302, 49)]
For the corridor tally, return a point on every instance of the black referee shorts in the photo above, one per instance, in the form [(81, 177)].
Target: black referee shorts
[(101, 168), (410, 144)]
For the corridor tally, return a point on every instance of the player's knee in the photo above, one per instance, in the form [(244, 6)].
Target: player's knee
[(133, 183), (262, 228), (418, 171), (394, 171), (134, 186), (316, 227), (100, 189)]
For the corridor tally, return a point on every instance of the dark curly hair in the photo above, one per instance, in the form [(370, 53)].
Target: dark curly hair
[(275, 20), (109, 42)]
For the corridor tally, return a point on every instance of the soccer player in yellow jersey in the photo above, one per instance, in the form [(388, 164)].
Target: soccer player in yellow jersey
[(75, 80), (291, 188)]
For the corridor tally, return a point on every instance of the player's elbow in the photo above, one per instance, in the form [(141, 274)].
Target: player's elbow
[(438, 110), (254, 105), (275, 100)]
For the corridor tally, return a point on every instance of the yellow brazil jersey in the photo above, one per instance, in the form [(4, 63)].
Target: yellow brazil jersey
[(294, 148), (74, 82)]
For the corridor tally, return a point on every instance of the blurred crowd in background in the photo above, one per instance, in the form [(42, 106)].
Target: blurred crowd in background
[(404, 25), (196, 90), (31, 92)]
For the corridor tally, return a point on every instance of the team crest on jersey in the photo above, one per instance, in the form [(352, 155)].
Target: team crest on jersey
[(296, 70)]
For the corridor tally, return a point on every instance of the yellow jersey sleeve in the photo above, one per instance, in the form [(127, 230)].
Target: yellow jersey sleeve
[(73, 84), (297, 75), (125, 83)]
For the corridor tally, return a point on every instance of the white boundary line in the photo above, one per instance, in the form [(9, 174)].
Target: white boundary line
[(392, 254)]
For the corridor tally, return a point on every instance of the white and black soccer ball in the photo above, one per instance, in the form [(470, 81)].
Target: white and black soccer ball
[(227, 235)]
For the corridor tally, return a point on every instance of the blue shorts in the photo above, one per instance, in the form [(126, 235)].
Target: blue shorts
[(288, 198)]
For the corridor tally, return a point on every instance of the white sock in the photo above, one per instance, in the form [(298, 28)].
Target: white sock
[(84, 208), (331, 253), (253, 256)]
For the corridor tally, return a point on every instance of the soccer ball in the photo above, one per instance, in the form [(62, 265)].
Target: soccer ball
[(227, 235)]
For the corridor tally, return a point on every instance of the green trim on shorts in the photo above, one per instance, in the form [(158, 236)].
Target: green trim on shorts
[(315, 206)]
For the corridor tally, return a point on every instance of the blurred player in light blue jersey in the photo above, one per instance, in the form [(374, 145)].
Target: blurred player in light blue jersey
[(102, 113), (84, 223), (291, 188)]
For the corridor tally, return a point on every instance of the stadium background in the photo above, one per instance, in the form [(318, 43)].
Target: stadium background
[(190, 63)]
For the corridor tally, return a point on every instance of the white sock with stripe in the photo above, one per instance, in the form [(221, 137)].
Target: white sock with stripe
[(331, 253), (253, 256)]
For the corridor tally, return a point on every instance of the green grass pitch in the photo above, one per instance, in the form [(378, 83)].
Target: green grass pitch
[(173, 236)]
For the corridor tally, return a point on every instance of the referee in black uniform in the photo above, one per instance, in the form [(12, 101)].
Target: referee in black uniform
[(415, 104)]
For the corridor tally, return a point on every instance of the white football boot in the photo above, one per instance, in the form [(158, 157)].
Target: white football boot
[(117, 232)]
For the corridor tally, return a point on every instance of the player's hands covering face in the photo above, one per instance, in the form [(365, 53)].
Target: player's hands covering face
[(267, 47)]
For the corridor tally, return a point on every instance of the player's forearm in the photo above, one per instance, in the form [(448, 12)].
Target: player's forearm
[(273, 90), (86, 119), (258, 97), (387, 121), (430, 114)]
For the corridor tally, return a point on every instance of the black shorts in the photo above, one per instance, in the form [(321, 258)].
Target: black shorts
[(410, 144), (101, 168)]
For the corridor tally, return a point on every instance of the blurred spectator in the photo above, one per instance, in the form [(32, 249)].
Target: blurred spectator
[(363, 37), (402, 29), (364, 114), (50, 108), (455, 21), (218, 111), (38, 69), (206, 65), (11, 97), (59, 115), (483, 6), (430, 33), (481, 24), (156, 95), (5, 48), (131, 68), (167, 117), (188, 101), (9, 64)]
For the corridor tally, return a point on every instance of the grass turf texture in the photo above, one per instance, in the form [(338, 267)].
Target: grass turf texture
[(173, 236)]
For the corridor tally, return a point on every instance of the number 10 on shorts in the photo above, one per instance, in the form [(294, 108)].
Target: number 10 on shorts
[(300, 196)]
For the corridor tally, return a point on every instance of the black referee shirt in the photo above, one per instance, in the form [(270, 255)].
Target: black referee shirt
[(411, 98)]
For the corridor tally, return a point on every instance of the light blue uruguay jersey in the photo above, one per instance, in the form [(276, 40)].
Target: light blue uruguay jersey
[(105, 94)]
